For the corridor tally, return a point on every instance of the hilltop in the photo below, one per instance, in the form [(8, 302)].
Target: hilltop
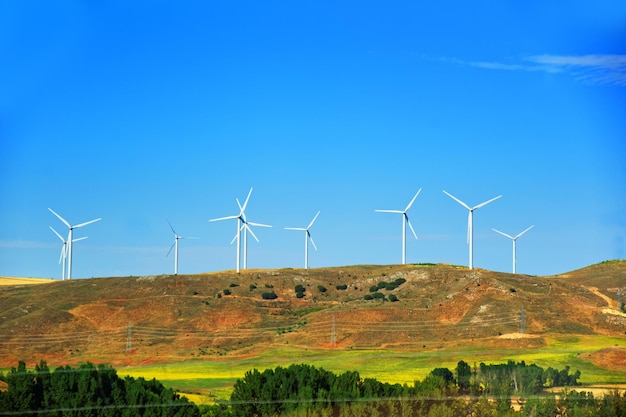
[(225, 314)]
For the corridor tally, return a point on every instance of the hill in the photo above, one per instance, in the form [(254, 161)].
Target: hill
[(171, 318)]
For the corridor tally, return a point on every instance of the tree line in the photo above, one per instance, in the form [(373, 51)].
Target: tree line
[(304, 390), (87, 391)]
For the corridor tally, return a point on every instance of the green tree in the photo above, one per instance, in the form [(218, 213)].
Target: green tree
[(463, 375)]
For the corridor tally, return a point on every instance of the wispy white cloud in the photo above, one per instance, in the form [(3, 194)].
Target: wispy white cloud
[(592, 69), (596, 69)]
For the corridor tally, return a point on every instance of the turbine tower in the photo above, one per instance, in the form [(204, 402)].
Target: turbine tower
[(514, 239), (307, 237), (175, 245), (405, 221), (470, 226), (63, 257), (70, 239)]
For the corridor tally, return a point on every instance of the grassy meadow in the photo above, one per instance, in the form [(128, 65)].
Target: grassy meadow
[(209, 380)]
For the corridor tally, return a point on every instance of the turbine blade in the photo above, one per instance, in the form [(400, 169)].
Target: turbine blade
[(224, 218), (411, 203), (242, 213), (80, 238), (525, 231), (295, 228), (313, 221), (237, 234), (251, 232), (457, 200), (60, 218), (502, 233), (487, 202), (245, 203), (89, 222), (173, 231), (62, 256), (390, 211), (410, 226), (258, 224), (57, 233), (171, 247), (311, 239)]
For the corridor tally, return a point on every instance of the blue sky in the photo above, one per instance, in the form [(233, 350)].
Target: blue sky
[(144, 112)]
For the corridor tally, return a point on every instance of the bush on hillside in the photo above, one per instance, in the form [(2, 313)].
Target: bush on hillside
[(269, 295), (342, 287), (321, 288)]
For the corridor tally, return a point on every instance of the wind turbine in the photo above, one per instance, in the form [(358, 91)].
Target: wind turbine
[(175, 245), (245, 228), (70, 240), (63, 256), (470, 221), (514, 239), (242, 225), (405, 221), (307, 237)]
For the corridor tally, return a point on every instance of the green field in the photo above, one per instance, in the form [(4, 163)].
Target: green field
[(213, 379)]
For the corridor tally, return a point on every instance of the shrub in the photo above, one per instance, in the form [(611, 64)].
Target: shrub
[(393, 298), (370, 297), (252, 287), (374, 288), (391, 286), (342, 287), (399, 281), (381, 285), (227, 291), (233, 285), (378, 295), (321, 288), (269, 295), (299, 295), (300, 288)]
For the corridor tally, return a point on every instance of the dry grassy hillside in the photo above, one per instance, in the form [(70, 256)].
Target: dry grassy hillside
[(183, 317)]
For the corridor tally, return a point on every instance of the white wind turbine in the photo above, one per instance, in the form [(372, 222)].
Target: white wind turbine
[(242, 225), (70, 239), (63, 256), (307, 237), (175, 245), (470, 226), (514, 239), (405, 221), (245, 228)]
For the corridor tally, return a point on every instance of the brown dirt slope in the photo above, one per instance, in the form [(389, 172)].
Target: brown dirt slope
[(165, 318)]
